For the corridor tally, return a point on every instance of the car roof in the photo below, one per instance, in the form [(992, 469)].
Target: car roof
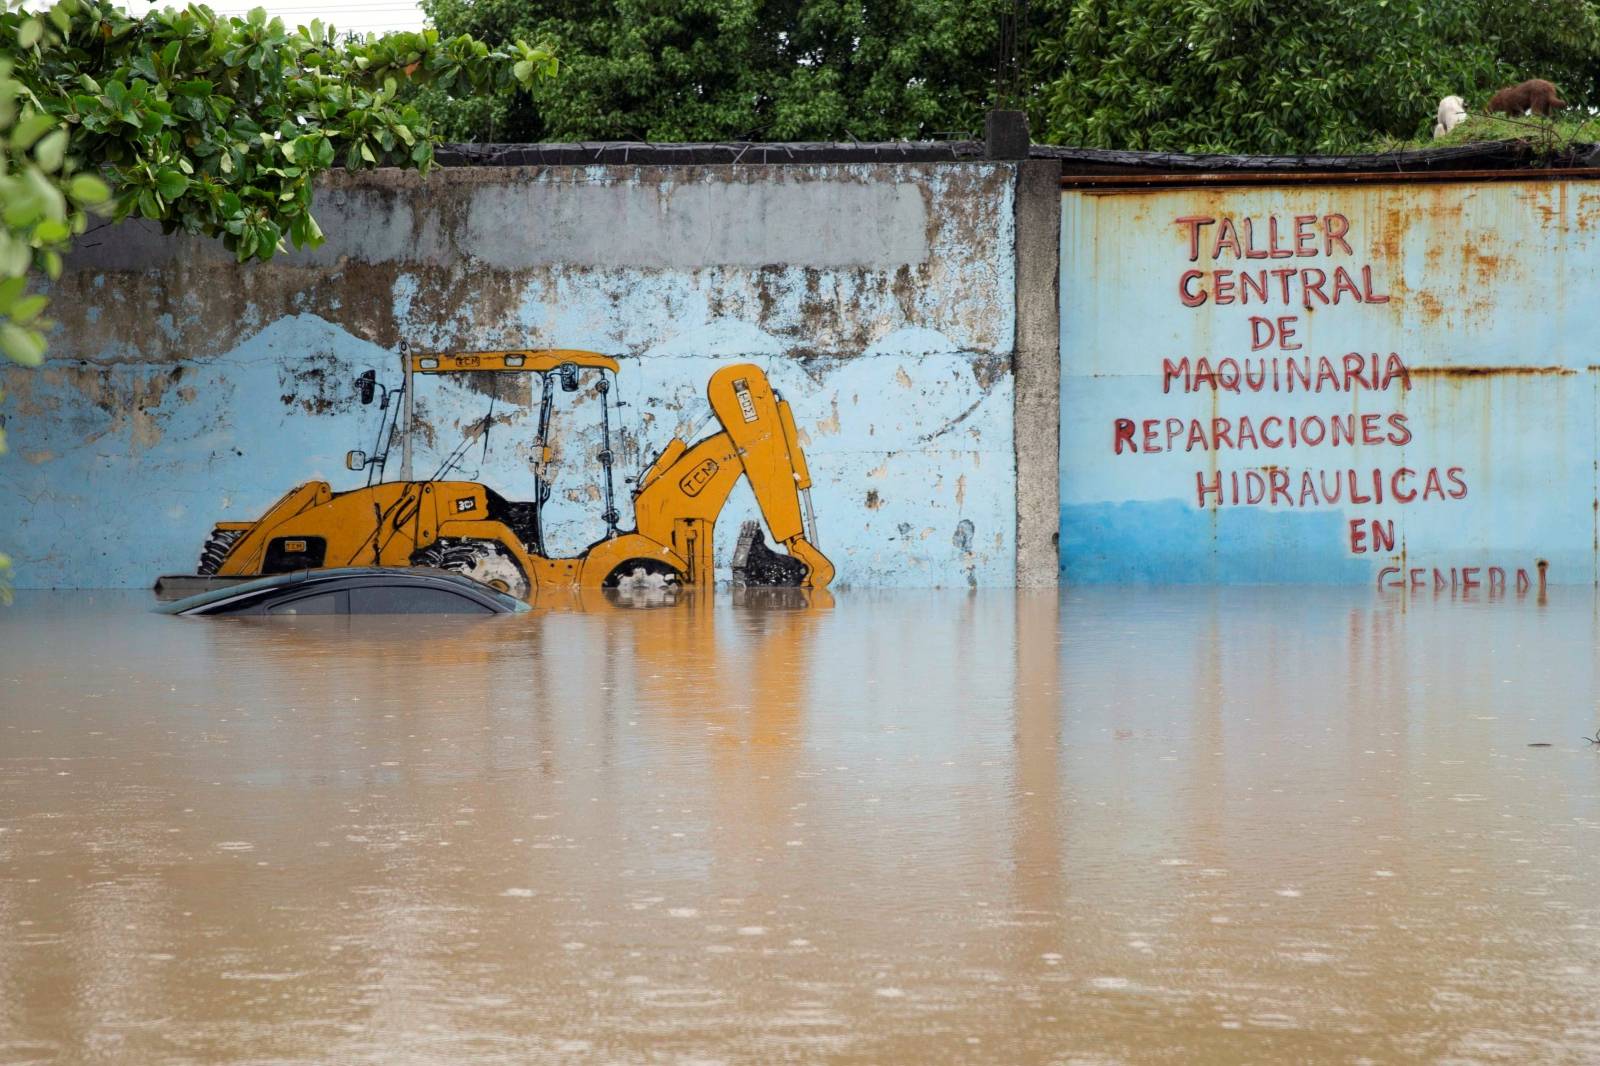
[(346, 577)]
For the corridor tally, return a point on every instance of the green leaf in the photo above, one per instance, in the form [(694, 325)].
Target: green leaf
[(51, 231), (15, 257), (21, 345), (29, 32), (28, 308), (61, 19), (195, 87), (88, 190), (51, 150), (143, 66), (10, 291), (171, 183), (45, 193), (30, 129)]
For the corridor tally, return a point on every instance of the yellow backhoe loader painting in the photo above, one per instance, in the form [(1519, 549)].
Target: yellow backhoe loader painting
[(471, 529)]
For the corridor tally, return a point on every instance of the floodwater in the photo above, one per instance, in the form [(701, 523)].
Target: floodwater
[(1127, 826)]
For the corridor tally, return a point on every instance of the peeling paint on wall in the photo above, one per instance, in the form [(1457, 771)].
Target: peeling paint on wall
[(194, 391)]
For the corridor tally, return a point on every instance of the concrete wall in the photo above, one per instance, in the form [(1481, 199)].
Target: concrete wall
[(182, 389), (1451, 326)]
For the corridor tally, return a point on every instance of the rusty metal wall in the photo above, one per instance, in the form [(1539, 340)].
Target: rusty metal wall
[(182, 389), (1394, 384)]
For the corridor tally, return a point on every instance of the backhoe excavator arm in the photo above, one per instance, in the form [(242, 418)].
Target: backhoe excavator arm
[(689, 484), (761, 426)]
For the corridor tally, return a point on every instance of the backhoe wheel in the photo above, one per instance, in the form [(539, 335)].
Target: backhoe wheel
[(644, 583), (485, 561), (216, 549)]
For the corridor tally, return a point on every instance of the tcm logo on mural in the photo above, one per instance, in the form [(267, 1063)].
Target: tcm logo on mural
[(698, 478)]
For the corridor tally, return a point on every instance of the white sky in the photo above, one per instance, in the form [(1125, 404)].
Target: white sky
[(362, 16)]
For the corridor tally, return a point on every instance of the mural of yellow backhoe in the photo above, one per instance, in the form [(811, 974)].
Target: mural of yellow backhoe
[(469, 528)]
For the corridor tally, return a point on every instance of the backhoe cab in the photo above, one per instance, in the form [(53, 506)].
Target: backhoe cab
[(468, 528)]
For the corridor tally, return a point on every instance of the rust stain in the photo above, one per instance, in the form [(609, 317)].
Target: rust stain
[(1432, 307), (1393, 221), (1490, 371), (1486, 264)]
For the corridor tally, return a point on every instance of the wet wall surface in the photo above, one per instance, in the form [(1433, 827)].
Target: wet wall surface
[(182, 389), (1178, 826), (1331, 384)]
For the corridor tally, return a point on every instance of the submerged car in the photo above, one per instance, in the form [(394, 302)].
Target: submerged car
[(351, 590)]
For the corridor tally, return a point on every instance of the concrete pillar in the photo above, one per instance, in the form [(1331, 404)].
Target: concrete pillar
[(1037, 371), (1005, 135)]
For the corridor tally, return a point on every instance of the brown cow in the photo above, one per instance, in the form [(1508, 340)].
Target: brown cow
[(1535, 94)]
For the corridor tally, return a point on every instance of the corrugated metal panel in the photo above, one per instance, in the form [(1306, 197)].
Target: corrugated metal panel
[(1391, 384)]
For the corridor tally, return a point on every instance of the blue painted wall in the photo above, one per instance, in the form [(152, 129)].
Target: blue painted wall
[(1493, 310), (182, 390)]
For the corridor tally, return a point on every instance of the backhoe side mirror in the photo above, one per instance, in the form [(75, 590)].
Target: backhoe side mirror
[(355, 460), (366, 387)]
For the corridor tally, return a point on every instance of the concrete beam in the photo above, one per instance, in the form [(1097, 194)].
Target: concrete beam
[(1037, 371)]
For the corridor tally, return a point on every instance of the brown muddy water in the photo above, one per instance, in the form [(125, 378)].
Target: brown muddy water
[(1170, 826)]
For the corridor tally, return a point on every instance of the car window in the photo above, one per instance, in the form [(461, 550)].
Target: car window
[(408, 599), (326, 603)]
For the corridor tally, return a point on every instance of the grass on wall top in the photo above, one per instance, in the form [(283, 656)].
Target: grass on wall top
[(1546, 136)]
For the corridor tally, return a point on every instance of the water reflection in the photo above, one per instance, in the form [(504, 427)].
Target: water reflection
[(1246, 825)]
